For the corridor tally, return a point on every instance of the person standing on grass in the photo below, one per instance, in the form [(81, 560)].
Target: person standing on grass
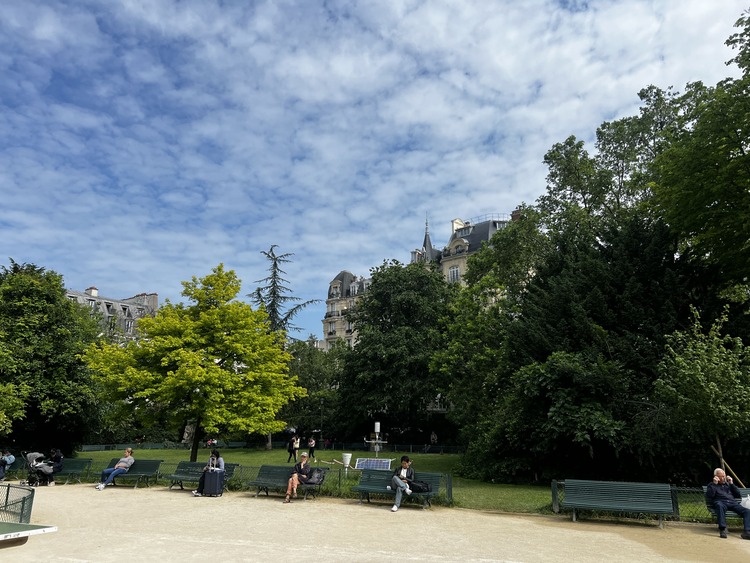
[(311, 447), (300, 474), (122, 466), (402, 476), (724, 495), (290, 449)]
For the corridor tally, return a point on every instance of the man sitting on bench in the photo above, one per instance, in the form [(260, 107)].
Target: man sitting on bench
[(402, 476), (724, 495)]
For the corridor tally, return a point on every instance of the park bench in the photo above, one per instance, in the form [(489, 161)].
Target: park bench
[(142, 470), (729, 514), (276, 477), (618, 496), (377, 481), (14, 533), (73, 468), (191, 471)]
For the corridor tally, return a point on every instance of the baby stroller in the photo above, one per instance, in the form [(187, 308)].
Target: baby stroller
[(39, 470)]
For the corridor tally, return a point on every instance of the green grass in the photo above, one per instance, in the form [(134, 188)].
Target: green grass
[(467, 493)]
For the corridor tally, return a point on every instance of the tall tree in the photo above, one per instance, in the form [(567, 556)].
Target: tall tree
[(398, 323), (212, 363), (274, 296), (47, 394), (703, 188)]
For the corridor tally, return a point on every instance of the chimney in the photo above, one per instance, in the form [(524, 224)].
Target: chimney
[(92, 291)]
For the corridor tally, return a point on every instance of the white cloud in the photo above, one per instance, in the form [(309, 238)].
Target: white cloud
[(143, 142)]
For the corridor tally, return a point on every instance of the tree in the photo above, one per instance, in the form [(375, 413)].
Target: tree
[(703, 188), (46, 395), (319, 372), (398, 323), (273, 296), (213, 364), (705, 381)]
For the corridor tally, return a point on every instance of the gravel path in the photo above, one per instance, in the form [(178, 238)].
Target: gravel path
[(122, 524)]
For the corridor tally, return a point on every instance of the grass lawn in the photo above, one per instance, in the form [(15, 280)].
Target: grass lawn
[(467, 493)]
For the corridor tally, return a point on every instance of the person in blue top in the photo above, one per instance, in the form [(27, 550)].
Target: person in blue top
[(724, 495), (215, 461), (6, 461)]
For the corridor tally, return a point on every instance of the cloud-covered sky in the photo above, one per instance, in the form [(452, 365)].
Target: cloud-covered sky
[(143, 142)]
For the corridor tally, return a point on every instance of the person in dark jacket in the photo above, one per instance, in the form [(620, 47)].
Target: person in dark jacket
[(56, 461), (300, 474), (402, 476), (724, 495)]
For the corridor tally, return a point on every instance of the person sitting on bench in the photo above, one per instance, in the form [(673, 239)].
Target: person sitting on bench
[(122, 466), (300, 474), (216, 462), (402, 476), (724, 495)]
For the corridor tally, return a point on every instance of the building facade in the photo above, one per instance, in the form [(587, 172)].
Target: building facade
[(343, 293), (466, 238), (118, 316)]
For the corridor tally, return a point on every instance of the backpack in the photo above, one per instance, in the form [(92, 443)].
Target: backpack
[(315, 478), (420, 487)]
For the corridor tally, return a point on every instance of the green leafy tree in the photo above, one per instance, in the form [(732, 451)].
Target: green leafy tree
[(212, 363), (705, 382), (274, 296), (319, 372), (46, 395), (703, 187), (398, 323)]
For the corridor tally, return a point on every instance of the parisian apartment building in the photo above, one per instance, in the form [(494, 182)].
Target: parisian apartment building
[(118, 316), (465, 239)]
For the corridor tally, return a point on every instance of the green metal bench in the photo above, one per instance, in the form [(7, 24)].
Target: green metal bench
[(73, 468), (191, 471), (142, 471), (377, 481), (276, 477), (13, 533), (618, 496)]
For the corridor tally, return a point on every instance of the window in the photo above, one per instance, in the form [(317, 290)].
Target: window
[(454, 274)]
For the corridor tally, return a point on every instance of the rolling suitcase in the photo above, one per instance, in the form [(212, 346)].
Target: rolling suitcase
[(213, 485)]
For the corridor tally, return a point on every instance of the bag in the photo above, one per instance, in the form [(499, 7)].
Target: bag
[(746, 502), (315, 478), (420, 487)]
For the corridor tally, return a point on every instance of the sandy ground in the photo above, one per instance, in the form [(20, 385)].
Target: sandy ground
[(155, 524)]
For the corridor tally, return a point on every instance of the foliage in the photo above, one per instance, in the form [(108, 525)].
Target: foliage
[(274, 296), (398, 321), (46, 397), (213, 363), (319, 373), (705, 382)]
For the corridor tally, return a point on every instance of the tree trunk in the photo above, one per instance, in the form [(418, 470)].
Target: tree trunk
[(196, 440), (269, 444)]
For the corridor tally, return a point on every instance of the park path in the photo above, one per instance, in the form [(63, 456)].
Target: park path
[(155, 524)]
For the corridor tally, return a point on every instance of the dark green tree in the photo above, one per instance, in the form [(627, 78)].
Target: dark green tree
[(398, 322), (42, 334), (274, 296)]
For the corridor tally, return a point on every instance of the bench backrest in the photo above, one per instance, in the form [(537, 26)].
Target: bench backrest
[(140, 466), (274, 472), (382, 478), (76, 464), (624, 496)]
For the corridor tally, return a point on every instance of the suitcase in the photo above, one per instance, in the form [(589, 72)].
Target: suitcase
[(213, 485)]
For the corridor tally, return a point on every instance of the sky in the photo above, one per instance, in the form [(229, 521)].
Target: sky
[(144, 142)]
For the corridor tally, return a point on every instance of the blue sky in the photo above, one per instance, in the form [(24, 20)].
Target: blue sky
[(143, 142)]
